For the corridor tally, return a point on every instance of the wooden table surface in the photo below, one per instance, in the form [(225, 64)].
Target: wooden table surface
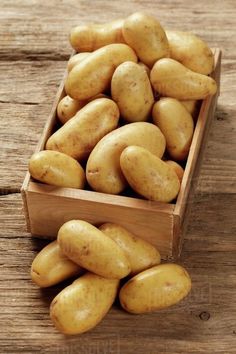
[(33, 53)]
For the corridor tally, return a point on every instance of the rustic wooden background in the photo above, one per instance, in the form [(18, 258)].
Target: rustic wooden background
[(33, 54)]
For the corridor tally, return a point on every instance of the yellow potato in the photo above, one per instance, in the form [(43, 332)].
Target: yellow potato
[(81, 133), (93, 75), (87, 38), (148, 175), (146, 36), (103, 167), (76, 59), (51, 266), (140, 254), (191, 51), (156, 288), (145, 67), (68, 107), (83, 304), (191, 106), (177, 168), (176, 123), (87, 246), (57, 169), (170, 78), (132, 91)]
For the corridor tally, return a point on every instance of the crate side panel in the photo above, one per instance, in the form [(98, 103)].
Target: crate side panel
[(48, 212)]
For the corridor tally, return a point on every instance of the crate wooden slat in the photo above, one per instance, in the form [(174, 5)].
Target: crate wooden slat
[(48, 207)]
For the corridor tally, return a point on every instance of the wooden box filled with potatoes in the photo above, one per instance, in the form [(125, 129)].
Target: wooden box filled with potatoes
[(125, 133)]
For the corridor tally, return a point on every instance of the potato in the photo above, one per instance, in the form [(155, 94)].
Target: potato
[(132, 91), (51, 266), (148, 175), (140, 254), (68, 107), (76, 59), (177, 168), (87, 246), (57, 169), (87, 38), (176, 123), (93, 75), (191, 51), (81, 133), (145, 67), (172, 79), (156, 288), (104, 174), (83, 304), (146, 36), (191, 106)]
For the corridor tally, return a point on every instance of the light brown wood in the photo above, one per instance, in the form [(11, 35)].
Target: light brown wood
[(156, 222), (34, 49)]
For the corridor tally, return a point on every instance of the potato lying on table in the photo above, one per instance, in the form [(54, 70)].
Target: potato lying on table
[(90, 248), (148, 175), (83, 304), (156, 288), (132, 91), (140, 254), (176, 123), (104, 174), (146, 36), (191, 51), (51, 266), (81, 133), (93, 75), (57, 169), (87, 38), (172, 79)]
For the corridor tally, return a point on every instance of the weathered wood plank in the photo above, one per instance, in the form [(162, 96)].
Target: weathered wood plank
[(34, 32), (197, 322)]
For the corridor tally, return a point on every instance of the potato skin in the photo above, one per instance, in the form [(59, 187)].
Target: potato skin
[(177, 168), (176, 123), (93, 75), (146, 36), (145, 67), (191, 51), (132, 91), (51, 266), (87, 246), (155, 289), (172, 79), (148, 175), (87, 38), (57, 169), (140, 254), (76, 59), (81, 133), (83, 304), (105, 175), (68, 107), (191, 106)]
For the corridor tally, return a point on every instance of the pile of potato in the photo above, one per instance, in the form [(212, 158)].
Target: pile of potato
[(101, 258), (127, 118)]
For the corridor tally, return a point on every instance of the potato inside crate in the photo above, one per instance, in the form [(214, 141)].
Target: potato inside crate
[(48, 207)]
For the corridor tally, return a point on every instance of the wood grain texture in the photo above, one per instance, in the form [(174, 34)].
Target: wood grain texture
[(207, 313), (33, 54)]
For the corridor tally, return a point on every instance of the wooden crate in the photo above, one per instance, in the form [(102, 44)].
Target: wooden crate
[(48, 207)]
